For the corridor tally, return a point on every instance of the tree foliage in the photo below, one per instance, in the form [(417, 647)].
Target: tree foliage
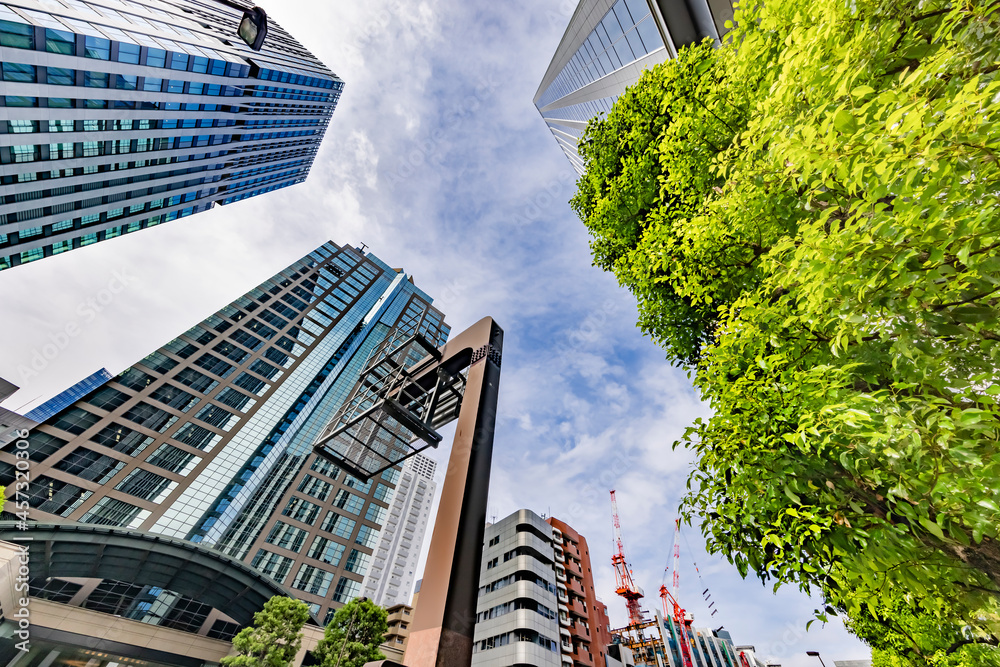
[(353, 635), (808, 217), (274, 638)]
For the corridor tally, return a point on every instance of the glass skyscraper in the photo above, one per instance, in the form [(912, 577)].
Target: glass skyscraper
[(209, 438), (119, 115), (606, 47)]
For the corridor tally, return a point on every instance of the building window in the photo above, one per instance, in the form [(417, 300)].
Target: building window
[(287, 536), (17, 35), (60, 76), (75, 421), (110, 512), (338, 525), (347, 590), (313, 580), (357, 562), (18, 72), (348, 502), (96, 47), (273, 565), (326, 550), (60, 41)]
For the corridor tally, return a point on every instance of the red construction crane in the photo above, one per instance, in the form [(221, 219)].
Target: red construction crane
[(623, 573), (672, 608)]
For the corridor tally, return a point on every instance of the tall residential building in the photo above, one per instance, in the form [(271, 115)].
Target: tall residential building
[(391, 576), (604, 50), (589, 633), (124, 114), (209, 438), (537, 601)]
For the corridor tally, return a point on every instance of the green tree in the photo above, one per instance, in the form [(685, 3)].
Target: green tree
[(274, 638), (809, 218), (903, 637), (353, 636)]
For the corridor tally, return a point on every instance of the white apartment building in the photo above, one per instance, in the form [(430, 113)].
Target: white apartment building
[(390, 580), (517, 620)]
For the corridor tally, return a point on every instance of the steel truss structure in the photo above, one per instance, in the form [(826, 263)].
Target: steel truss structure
[(407, 391)]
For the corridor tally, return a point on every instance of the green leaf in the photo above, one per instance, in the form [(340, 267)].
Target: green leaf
[(932, 528), (845, 122)]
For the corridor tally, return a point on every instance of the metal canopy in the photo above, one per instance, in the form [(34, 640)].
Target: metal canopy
[(403, 395), (104, 552)]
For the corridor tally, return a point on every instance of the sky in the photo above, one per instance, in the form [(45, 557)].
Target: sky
[(438, 161)]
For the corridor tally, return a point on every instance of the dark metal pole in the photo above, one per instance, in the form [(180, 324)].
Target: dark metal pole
[(445, 617)]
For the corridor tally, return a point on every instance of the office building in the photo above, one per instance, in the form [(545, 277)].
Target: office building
[(709, 648), (391, 577), (589, 634), (71, 395), (537, 603), (209, 438), (124, 114), (605, 49), (517, 622)]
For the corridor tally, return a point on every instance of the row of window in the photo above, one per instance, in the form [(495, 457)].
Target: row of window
[(64, 76), (82, 149), (91, 103), (513, 578), (519, 635), (52, 174), (309, 578), (293, 538), (16, 32), (57, 247), (520, 603)]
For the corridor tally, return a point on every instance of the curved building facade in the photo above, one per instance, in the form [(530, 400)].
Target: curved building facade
[(517, 621), (103, 596)]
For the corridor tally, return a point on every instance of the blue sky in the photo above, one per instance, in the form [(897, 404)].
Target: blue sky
[(438, 161)]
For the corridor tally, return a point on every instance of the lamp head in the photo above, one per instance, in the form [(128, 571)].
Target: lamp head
[(253, 28)]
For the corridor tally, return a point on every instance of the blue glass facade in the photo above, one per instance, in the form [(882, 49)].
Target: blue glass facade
[(65, 398), (122, 115)]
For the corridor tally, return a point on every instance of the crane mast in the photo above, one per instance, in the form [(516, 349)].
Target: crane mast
[(626, 587), (672, 608)]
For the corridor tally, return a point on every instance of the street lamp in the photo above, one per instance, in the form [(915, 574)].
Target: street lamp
[(253, 25), (816, 654)]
